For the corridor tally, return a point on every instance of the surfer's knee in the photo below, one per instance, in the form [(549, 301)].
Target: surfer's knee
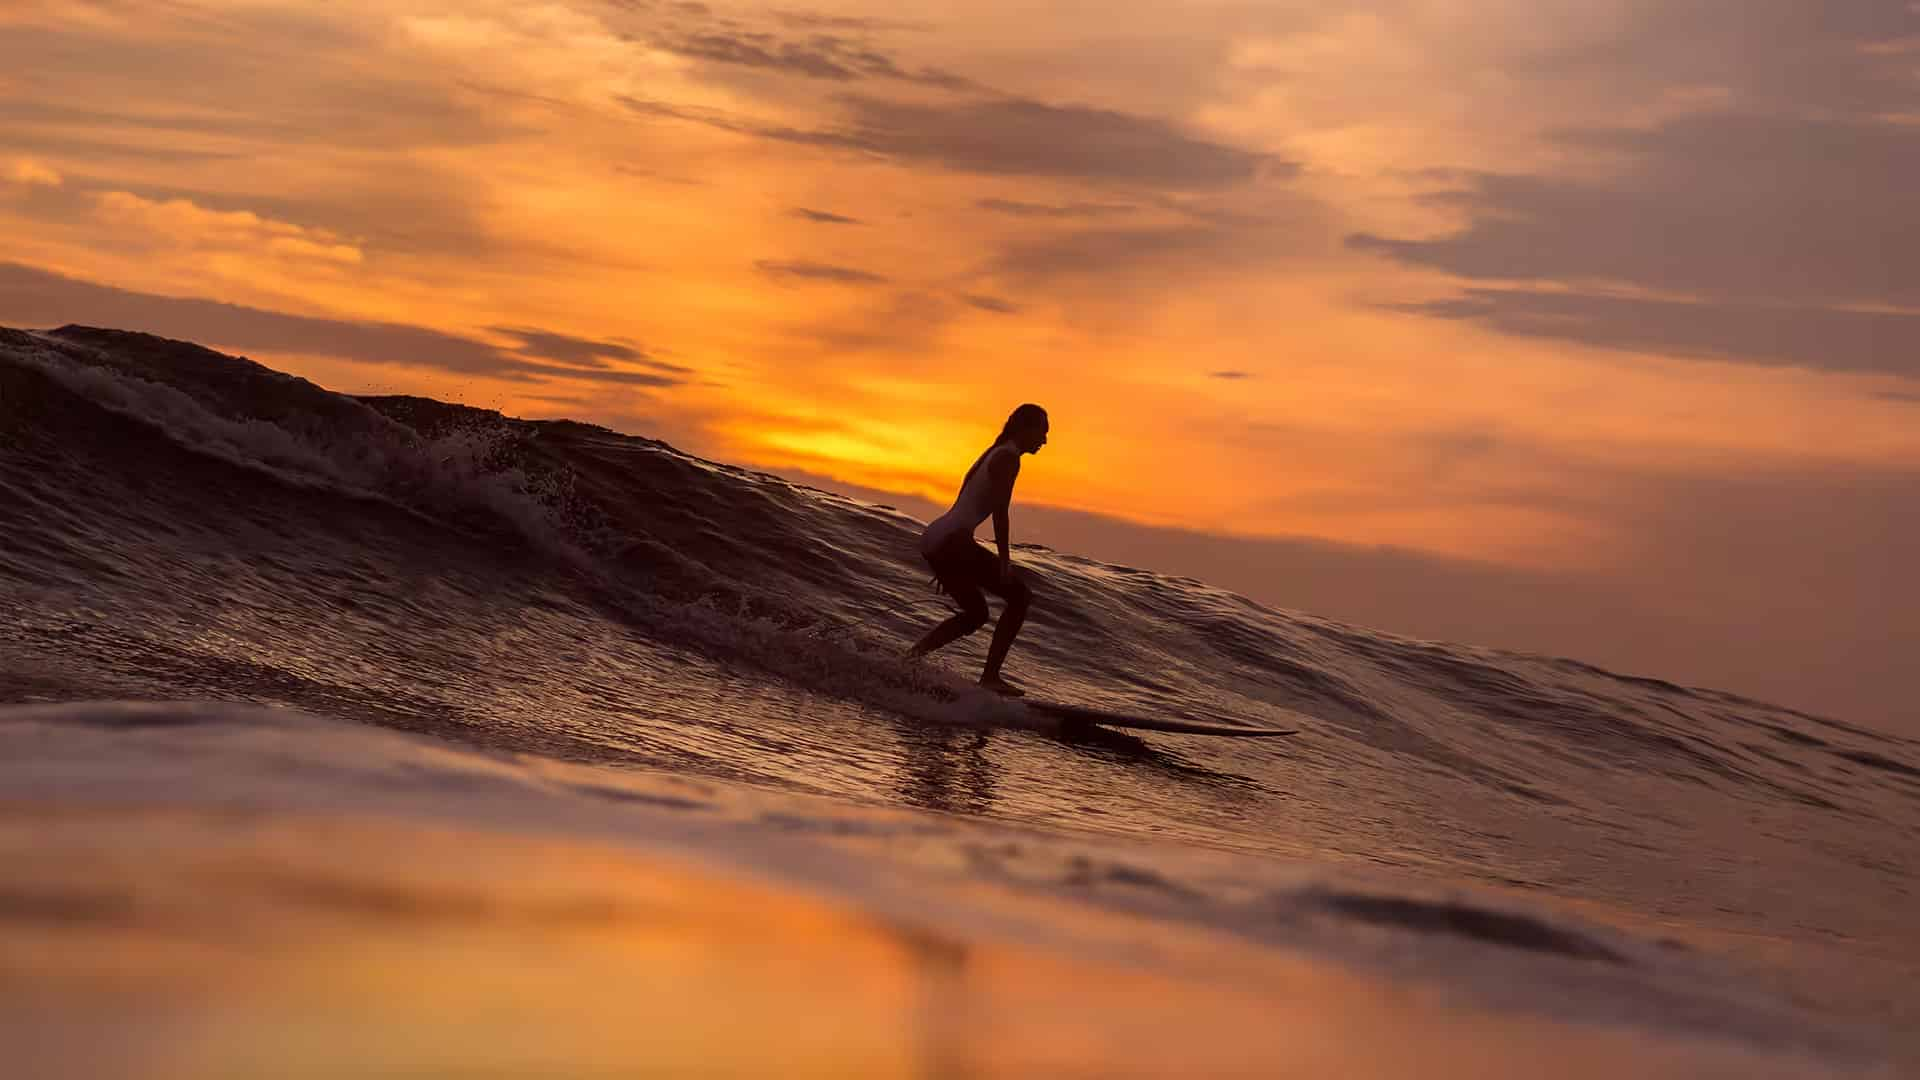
[(973, 618)]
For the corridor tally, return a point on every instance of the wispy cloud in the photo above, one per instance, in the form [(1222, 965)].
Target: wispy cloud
[(1024, 137), (817, 56), (599, 356), (186, 223), (991, 303), (570, 350), (822, 217), (814, 20), (813, 271), (1015, 137), (30, 173)]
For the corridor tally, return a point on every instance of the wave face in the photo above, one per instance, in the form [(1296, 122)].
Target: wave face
[(184, 524)]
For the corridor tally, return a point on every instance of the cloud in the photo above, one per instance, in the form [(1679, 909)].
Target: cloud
[(379, 109), (1823, 338), (809, 20), (812, 271), (990, 303), (564, 349), (824, 218), (410, 207), (1229, 374), (183, 222), (31, 296), (1048, 210), (762, 50), (1772, 55), (117, 153), (1780, 208), (1023, 137), (1272, 232), (584, 352), (30, 173), (1787, 223), (818, 56), (1016, 137), (276, 93)]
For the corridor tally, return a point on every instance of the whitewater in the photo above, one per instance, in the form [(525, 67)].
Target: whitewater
[(385, 736)]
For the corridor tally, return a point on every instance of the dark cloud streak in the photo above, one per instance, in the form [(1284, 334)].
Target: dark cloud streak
[(1015, 137), (584, 352), (991, 303), (809, 20), (1823, 338), (1023, 137), (824, 218), (819, 56), (568, 350), (34, 297), (812, 271)]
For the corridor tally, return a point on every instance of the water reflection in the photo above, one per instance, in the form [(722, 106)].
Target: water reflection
[(947, 769)]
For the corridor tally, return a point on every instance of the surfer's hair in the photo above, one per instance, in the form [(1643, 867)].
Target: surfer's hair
[(1026, 416)]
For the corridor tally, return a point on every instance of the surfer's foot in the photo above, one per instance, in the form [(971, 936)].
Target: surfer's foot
[(1001, 686)]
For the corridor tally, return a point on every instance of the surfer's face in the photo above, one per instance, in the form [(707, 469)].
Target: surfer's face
[(1033, 438)]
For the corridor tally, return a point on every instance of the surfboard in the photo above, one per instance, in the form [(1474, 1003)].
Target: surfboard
[(1080, 714)]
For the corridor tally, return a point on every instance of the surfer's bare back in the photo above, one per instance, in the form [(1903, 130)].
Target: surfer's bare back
[(963, 568)]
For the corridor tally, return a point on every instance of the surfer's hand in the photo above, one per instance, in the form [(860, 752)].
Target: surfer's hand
[(1006, 571)]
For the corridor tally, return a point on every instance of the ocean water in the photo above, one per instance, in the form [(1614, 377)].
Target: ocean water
[(383, 736)]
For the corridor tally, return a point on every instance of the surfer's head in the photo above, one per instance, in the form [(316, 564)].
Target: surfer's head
[(1026, 428)]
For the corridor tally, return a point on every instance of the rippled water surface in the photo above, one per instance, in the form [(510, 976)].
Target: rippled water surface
[(184, 525)]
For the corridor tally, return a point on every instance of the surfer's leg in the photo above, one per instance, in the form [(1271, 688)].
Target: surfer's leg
[(972, 616), (958, 570), (1018, 595)]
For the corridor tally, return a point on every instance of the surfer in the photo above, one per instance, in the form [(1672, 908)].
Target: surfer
[(963, 568)]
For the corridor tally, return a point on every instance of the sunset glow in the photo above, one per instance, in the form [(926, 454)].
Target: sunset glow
[(1498, 282)]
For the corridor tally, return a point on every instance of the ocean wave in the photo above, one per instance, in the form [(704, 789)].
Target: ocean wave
[(183, 524)]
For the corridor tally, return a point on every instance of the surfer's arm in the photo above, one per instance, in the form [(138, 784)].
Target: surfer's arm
[(1002, 470), (1000, 537)]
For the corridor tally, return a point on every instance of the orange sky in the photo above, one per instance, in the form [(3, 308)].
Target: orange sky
[(1495, 281)]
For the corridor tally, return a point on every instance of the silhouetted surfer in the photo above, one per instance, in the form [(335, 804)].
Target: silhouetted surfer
[(963, 568)]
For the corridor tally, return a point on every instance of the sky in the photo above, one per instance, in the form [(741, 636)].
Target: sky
[(1584, 327)]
